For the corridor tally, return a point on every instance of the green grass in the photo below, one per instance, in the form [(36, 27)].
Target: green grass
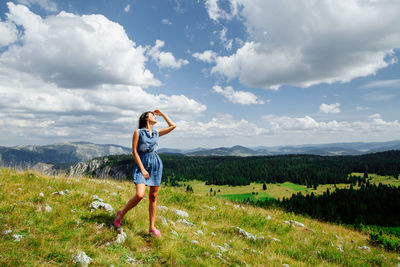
[(51, 238)]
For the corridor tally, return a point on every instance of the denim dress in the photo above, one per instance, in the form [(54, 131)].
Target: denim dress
[(147, 148)]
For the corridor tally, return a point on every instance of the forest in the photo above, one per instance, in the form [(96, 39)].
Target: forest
[(309, 170)]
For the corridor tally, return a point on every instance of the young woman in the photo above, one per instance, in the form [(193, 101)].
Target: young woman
[(148, 167)]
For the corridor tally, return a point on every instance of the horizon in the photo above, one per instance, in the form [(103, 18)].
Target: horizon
[(193, 148), (227, 72)]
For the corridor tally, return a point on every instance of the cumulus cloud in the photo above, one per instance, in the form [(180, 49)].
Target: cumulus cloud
[(165, 59), (374, 125), (127, 8), (310, 42), (224, 40), (208, 56), (76, 78), (216, 13), (237, 97), (75, 51), (330, 108), (8, 33), (45, 4)]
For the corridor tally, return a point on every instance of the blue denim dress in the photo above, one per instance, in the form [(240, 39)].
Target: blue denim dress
[(147, 148)]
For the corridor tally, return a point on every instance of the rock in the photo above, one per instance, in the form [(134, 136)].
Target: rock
[(162, 207), (99, 204), (82, 259), (19, 189), (131, 260), (268, 217), (47, 208), (340, 248), (41, 195), (227, 246), (248, 235), (287, 222), (17, 238), (285, 265), (95, 197), (195, 242), (275, 239), (185, 222), (365, 248), (6, 232), (114, 194), (199, 232), (222, 249), (245, 264), (297, 223), (213, 234), (61, 193), (203, 223), (181, 213), (121, 237)]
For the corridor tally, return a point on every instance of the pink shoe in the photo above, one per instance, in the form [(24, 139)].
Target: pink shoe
[(155, 232), (117, 223)]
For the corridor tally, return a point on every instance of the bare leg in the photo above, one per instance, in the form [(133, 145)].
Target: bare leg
[(152, 205), (140, 191)]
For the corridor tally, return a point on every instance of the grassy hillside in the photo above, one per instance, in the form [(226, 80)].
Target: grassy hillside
[(51, 238)]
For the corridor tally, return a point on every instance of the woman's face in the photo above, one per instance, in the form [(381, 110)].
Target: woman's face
[(151, 118)]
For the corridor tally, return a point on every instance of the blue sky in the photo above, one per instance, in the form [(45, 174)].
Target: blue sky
[(234, 72)]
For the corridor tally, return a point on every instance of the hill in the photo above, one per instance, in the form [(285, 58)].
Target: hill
[(27, 156), (47, 221)]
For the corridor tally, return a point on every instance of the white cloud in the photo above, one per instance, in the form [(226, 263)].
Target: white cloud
[(45, 4), (330, 108), (216, 13), (165, 59), (378, 96), (76, 78), (8, 33), (127, 8), (237, 97), (383, 83), (375, 125), (222, 36), (75, 51), (166, 22), (207, 56), (310, 42), (360, 108)]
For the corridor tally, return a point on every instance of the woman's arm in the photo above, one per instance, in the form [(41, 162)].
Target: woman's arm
[(171, 124), (135, 141)]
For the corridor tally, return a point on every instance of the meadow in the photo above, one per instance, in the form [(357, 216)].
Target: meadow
[(52, 228)]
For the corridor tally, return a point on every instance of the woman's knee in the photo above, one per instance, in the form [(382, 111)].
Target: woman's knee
[(140, 195), (152, 197)]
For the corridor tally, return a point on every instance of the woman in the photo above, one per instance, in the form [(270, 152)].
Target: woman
[(148, 167)]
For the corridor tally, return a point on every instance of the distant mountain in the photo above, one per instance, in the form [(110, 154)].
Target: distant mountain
[(224, 151), (68, 152)]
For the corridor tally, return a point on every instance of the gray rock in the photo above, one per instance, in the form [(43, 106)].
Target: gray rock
[(131, 260), (41, 195), (195, 242), (365, 248), (185, 222), (181, 213), (17, 238), (199, 232), (82, 259), (47, 208), (160, 207), (248, 235), (227, 246), (121, 237), (285, 265), (340, 248), (6, 232), (297, 223), (268, 217), (61, 193), (99, 204), (275, 239)]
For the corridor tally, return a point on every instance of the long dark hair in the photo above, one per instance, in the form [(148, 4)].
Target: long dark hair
[(143, 119)]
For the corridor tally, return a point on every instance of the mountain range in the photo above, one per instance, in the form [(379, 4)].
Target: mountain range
[(73, 152)]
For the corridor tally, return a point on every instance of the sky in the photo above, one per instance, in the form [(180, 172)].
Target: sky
[(227, 72)]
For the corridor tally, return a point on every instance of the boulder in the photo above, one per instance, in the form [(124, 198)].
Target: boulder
[(82, 259), (248, 235), (181, 213)]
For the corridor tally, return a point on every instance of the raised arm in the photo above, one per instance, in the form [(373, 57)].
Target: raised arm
[(171, 124)]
